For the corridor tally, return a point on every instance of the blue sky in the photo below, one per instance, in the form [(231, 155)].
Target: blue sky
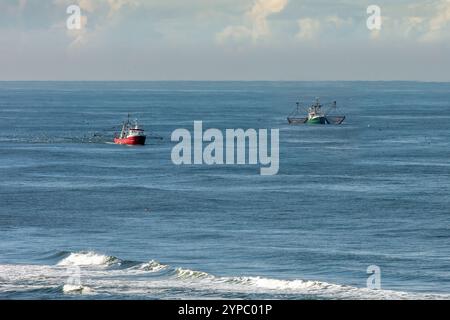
[(225, 40)]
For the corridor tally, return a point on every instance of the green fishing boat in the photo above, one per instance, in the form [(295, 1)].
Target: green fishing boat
[(315, 115)]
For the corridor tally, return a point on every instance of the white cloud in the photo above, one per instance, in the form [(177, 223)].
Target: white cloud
[(259, 13), (339, 22), (79, 36), (308, 28), (116, 5), (236, 34), (412, 25), (438, 22), (105, 12), (442, 18), (86, 5), (257, 27)]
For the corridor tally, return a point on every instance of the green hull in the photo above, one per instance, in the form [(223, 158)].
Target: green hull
[(317, 120)]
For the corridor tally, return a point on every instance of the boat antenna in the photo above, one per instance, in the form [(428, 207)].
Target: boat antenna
[(317, 102)]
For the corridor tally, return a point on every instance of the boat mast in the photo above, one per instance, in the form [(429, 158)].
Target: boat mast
[(125, 126), (122, 132)]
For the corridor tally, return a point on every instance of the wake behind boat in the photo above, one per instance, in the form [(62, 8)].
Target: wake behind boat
[(131, 134)]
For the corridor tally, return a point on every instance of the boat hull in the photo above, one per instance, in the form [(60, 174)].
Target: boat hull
[(133, 141), (317, 120), (323, 120)]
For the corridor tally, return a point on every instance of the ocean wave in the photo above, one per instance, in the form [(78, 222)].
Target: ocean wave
[(315, 288), (144, 279), (88, 258), (76, 289), (151, 266), (181, 273)]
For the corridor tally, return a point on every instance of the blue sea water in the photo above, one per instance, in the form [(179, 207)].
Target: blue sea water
[(131, 224)]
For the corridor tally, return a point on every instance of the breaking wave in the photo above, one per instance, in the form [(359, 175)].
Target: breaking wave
[(102, 274), (181, 273), (88, 258), (76, 289), (151, 266)]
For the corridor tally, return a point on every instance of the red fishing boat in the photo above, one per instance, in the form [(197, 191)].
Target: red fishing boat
[(131, 134)]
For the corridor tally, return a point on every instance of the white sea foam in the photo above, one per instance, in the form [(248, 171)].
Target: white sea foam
[(315, 288), (185, 283), (191, 274), (76, 289), (152, 266), (88, 258)]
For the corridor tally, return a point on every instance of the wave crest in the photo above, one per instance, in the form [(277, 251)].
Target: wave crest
[(132, 280), (76, 289), (88, 258), (181, 273), (151, 266)]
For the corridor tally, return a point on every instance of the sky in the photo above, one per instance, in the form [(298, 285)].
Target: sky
[(225, 40)]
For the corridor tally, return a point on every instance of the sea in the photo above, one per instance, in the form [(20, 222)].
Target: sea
[(357, 204)]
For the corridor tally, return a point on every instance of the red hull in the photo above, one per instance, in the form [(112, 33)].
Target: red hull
[(137, 140)]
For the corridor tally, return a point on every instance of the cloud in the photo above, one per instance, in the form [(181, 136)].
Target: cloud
[(339, 22), (236, 34), (438, 22), (427, 22), (257, 26), (259, 13), (308, 28), (412, 25), (116, 5), (104, 11), (442, 18), (86, 5), (79, 36)]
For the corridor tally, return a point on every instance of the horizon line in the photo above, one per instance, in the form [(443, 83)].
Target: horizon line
[(228, 80)]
